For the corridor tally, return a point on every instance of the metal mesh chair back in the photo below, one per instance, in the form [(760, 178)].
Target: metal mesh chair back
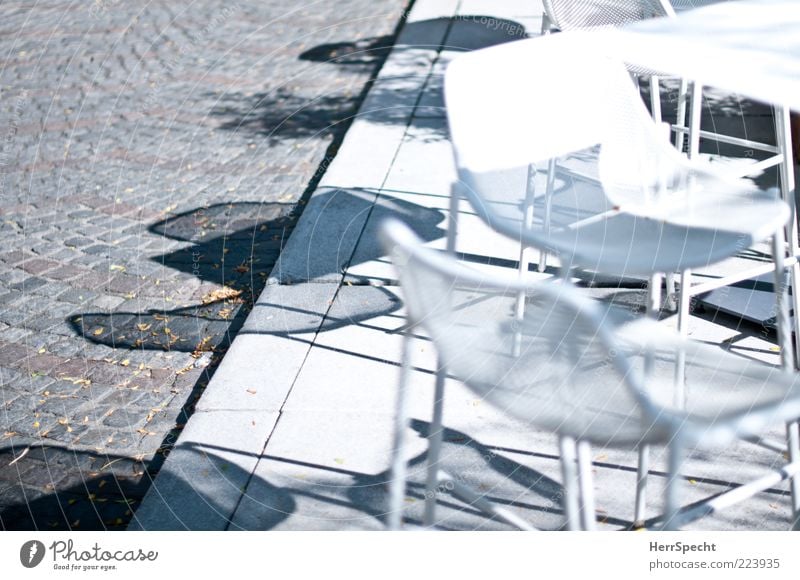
[(587, 14), (573, 367), (501, 121), (556, 368)]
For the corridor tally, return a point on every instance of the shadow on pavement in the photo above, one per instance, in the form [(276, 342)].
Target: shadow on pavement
[(366, 493), (113, 486), (235, 246), (288, 114)]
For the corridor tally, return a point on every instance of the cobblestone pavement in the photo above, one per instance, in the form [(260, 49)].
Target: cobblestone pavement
[(153, 159)]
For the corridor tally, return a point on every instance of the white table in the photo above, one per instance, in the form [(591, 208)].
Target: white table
[(748, 47)]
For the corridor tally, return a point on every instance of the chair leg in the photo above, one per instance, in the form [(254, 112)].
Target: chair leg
[(548, 209), (684, 303), (524, 252), (642, 470), (397, 478), (653, 308), (793, 443), (669, 301), (585, 481), (655, 99), (681, 114), (695, 113), (673, 503), (781, 304), (567, 452), (434, 448), (786, 172), (452, 228)]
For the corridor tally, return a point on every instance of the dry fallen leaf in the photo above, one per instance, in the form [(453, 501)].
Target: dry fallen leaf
[(224, 293)]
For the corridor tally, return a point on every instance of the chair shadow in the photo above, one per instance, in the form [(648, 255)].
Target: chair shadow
[(112, 488), (365, 493), (235, 246)]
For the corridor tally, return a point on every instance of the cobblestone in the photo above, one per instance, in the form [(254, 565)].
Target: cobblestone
[(152, 154)]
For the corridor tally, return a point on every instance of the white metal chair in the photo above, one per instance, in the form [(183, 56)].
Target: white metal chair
[(662, 212), (568, 367), (591, 14), (566, 15)]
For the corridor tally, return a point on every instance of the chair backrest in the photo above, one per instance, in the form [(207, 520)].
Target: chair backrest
[(558, 368), (588, 14), (527, 102), (534, 100)]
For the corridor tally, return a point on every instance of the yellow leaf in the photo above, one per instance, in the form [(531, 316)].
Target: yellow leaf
[(98, 331), (116, 268), (125, 363), (36, 424), (42, 350)]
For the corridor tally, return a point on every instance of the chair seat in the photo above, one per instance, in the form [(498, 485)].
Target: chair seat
[(728, 396), (563, 379), (628, 245)]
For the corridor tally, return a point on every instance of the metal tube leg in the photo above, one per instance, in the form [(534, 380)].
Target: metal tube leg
[(586, 485), (673, 504), (669, 302), (653, 307), (655, 99), (793, 443), (684, 303), (524, 252), (642, 470), (695, 113), (781, 304), (397, 478), (783, 135), (570, 500), (681, 114), (548, 208), (452, 228), (434, 448)]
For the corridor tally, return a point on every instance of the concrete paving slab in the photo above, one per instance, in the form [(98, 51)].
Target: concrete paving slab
[(331, 214), (201, 484)]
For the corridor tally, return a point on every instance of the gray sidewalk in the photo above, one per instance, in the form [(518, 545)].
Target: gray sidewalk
[(152, 157), (294, 431)]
